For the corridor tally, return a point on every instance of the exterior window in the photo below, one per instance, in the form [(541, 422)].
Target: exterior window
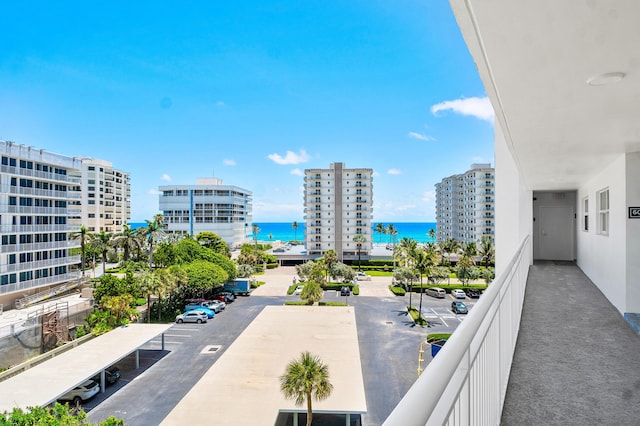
[(603, 212), (585, 214)]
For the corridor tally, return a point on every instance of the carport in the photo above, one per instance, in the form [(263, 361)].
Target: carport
[(244, 383), (44, 383)]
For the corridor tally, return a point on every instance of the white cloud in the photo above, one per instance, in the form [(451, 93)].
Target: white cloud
[(375, 173), (420, 136), (405, 207), (476, 107), (153, 191), (220, 104), (429, 196), (297, 172), (166, 177), (394, 171), (229, 162), (290, 157)]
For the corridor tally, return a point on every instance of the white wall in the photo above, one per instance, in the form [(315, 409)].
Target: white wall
[(633, 233), (603, 257), (513, 205)]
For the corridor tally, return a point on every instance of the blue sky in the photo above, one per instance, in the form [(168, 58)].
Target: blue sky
[(251, 92)]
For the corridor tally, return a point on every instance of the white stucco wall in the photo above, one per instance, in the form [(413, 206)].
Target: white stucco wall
[(603, 257), (633, 233), (513, 205)]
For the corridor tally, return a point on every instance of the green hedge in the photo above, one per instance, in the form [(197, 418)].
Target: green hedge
[(437, 336), (295, 303), (398, 291), (332, 304)]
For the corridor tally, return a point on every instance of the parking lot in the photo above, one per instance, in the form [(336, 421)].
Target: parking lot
[(389, 342)]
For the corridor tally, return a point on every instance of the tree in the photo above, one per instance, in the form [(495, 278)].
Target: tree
[(213, 241), (245, 271), (312, 292), (295, 226), (432, 235), (345, 272), (487, 251), (128, 241), (424, 260), (392, 232), (59, 414), (149, 285), (84, 236), (305, 379), (380, 230), (359, 240), (450, 246), (329, 258), (255, 230), (470, 249), (465, 270), (152, 232), (405, 251), (103, 241)]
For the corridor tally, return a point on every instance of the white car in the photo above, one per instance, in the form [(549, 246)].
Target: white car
[(298, 290), (81, 392), (217, 306), (361, 276), (195, 315), (458, 294)]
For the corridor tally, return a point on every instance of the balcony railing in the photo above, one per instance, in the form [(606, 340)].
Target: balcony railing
[(467, 381)]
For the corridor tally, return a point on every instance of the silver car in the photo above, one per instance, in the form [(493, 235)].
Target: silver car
[(192, 316)]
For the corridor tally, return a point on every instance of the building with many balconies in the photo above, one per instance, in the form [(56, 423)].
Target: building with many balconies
[(465, 205), (105, 200), (338, 207), (35, 192), (208, 206)]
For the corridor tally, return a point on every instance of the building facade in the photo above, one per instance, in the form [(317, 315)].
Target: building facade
[(465, 205), (338, 207), (35, 195), (208, 206), (105, 197)]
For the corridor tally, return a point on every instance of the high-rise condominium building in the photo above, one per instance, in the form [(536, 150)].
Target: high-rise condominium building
[(338, 205), (35, 192), (208, 206), (105, 201), (465, 205)]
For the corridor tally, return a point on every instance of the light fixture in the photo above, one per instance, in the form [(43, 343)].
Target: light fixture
[(606, 78)]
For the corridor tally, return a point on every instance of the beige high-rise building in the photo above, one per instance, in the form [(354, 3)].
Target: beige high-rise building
[(338, 206), (105, 200)]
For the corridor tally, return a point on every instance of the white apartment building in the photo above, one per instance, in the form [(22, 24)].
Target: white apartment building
[(338, 206), (207, 206), (465, 205), (35, 192), (105, 200)]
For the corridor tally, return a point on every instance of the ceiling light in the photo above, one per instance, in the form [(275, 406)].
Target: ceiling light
[(606, 78)]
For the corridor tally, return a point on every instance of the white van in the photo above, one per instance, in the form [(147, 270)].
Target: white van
[(436, 292)]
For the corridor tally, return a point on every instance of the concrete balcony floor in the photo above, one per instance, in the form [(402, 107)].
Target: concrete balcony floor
[(577, 361)]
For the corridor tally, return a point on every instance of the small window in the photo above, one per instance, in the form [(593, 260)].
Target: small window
[(585, 214), (603, 212)]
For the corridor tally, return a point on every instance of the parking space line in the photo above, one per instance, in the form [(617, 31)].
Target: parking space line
[(441, 318)]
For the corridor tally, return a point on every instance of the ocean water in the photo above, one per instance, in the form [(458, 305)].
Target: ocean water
[(282, 231)]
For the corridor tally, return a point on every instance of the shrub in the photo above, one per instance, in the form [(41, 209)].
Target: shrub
[(296, 303), (415, 315), (332, 304), (356, 290), (398, 291)]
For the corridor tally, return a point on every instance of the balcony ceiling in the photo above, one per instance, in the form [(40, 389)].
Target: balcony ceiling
[(536, 59)]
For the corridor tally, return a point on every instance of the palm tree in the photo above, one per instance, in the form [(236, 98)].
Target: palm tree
[(128, 240), (270, 237), (149, 285), (392, 232), (487, 251), (359, 240), (312, 292), (84, 236), (304, 379), (255, 230), (432, 235), (152, 232), (330, 257), (380, 229), (424, 260), (103, 241), (294, 225), (406, 253)]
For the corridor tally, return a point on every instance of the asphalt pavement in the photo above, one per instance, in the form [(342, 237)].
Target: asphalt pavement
[(389, 344)]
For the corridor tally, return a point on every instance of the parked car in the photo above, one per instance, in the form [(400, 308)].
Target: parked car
[(458, 294), (361, 276), (436, 292), (224, 296), (210, 312), (196, 316), (345, 291), (111, 375), (459, 307), (81, 392), (217, 306), (298, 290), (472, 293)]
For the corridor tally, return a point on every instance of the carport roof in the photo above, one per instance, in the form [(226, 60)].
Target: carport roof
[(44, 383), (245, 380)]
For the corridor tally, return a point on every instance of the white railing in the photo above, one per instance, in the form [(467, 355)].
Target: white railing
[(466, 383)]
